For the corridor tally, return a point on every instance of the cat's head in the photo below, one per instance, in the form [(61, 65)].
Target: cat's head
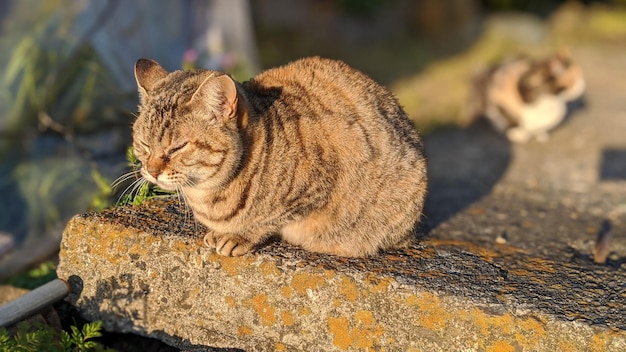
[(557, 75), (186, 132)]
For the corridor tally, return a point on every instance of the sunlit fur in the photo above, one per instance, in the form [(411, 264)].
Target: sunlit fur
[(314, 151), (525, 98)]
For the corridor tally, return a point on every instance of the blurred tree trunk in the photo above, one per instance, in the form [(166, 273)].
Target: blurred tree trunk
[(230, 22)]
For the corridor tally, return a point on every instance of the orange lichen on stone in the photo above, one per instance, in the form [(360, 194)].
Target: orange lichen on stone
[(286, 291), (366, 336), (180, 246), (269, 269), (534, 329), (348, 289), (230, 301), (261, 306), (528, 333), (568, 346), (279, 347), (137, 249), (287, 317), (305, 311), (362, 333), (431, 316), (329, 274), (231, 265), (244, 331), (488, 324), (522, 340), (599, 341), (365, 317), (501, 346), (303, 281), (341, 334), (199, 243), (109, 248), (378, 284)]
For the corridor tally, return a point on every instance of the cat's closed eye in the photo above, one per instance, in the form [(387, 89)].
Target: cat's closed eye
[(177, 148), (141, 149)]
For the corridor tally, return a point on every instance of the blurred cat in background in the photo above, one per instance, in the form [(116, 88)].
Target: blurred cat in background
[(525, 98)]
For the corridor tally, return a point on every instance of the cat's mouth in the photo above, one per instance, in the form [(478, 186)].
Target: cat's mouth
[(165, 185)]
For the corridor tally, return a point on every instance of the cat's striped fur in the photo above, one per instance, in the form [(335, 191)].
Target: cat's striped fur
[(313, 151)]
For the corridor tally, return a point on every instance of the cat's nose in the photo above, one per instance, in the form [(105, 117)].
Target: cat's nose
[(154, 167), (154, 172)]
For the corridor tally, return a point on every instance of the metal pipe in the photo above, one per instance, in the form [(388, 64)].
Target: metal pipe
[(32, 302)]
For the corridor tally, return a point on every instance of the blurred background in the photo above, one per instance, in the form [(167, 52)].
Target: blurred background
[(68, 95)]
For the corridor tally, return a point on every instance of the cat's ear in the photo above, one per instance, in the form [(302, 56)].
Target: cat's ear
[(216, 97), (148, 73)]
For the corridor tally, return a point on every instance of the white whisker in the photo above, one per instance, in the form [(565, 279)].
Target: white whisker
[(188, 208), (123, 178), (131, 189), (184, 204)]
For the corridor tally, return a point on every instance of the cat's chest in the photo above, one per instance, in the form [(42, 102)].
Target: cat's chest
[(544, 114), (218, 211)]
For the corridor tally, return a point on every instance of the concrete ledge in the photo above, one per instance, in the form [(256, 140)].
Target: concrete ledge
[(143, 270)]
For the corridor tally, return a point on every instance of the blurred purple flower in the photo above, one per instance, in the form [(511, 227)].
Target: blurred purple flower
[(189, 59)]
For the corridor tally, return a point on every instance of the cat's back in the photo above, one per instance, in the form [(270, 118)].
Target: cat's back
[(315, 73), (331, 83), (339, 97)]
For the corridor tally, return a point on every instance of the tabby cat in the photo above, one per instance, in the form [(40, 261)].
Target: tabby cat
[(525, 98), (314, 151)]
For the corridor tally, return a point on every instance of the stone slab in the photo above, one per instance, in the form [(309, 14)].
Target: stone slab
[(143, 269)]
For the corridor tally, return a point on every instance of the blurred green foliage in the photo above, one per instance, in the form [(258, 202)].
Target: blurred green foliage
[(102, 199), (35, 277), (54, 90), (50, 74)]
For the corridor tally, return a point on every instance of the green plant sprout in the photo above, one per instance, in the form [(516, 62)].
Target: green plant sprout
[(39, 337)]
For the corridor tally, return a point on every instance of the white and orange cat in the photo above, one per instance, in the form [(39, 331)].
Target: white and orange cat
[(314, 151), (525, 98)]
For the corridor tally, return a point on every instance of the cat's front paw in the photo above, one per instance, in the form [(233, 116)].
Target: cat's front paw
[(518, 135), (228, 245)]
